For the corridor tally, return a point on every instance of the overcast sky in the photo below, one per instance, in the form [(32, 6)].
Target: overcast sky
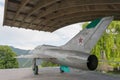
[(29, 39)]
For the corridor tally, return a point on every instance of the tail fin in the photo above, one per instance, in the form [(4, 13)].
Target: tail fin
[(86, 39)]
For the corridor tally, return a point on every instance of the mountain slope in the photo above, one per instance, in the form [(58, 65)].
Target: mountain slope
[(22, 62)]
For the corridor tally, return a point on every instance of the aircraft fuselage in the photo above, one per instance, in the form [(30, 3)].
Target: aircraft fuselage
[(70, 58)]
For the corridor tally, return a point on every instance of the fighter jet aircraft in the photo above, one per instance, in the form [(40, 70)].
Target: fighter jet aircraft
[(75, 53)]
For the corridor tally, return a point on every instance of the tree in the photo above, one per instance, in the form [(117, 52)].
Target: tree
[(48, 64), (7, 59)]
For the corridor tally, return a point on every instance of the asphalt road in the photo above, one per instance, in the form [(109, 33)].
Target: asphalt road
[(53, 74)]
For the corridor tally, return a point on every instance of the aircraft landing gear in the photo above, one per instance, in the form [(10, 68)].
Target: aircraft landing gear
[(35, 67)]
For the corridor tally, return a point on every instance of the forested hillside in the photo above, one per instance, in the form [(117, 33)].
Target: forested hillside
[(22, 62)]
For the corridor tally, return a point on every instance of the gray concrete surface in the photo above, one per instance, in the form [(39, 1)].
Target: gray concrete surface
[(53, 74)]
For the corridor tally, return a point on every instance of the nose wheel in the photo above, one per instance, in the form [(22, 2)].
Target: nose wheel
[(35, 67)]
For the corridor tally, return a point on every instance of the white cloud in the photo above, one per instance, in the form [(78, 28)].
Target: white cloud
[(69, 32), (21, 36)]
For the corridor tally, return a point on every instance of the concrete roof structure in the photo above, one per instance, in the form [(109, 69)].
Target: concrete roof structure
[(50, 15)]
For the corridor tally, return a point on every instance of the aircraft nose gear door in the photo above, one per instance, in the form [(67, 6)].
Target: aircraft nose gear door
[(35, 67)]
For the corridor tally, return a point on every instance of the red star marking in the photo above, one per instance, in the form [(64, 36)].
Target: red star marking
[(80, 40)]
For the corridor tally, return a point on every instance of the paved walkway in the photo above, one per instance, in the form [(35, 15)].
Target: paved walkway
[(53, 74)]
